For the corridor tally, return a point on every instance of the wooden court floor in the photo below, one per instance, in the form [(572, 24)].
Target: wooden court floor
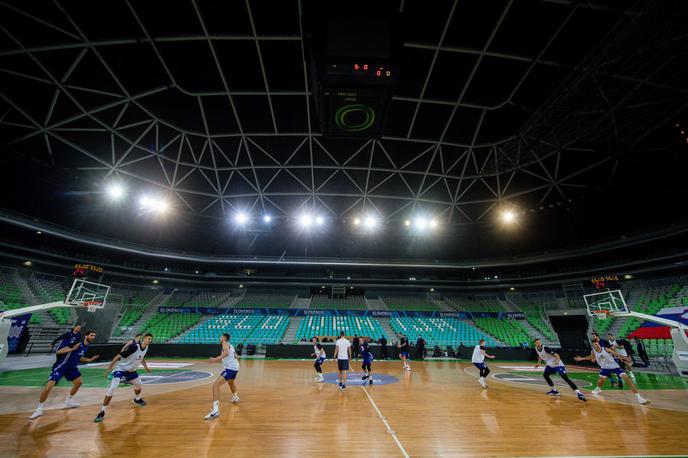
[(436, 410)]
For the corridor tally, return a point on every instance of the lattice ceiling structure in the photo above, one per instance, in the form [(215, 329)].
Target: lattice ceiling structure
[(503, 103)]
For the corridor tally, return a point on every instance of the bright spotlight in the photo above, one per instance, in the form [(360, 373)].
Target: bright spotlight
[(370, 222), (115, 191), (420, 223), (319, 220), (156, 205), (267, 218), (357, 221), (508, 216), (407, 223), (433, 223), (145, 202), (241, 218), (305, 220), (161, 206)]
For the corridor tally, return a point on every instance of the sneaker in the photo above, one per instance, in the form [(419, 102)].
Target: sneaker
[(581, 397), (100, 417), (342, 387), (370, 382), (37, 413), (235, 399), (620, 384), (213, 414), (641, 400), (71, 404), (139, 402), (482, 383), (408, 368), (596, 391), (553, 393), (364, 377)]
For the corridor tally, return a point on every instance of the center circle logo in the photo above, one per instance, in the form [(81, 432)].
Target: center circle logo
[(356, 379)]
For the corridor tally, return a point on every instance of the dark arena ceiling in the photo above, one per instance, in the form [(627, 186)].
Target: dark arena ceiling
[(569, 113)]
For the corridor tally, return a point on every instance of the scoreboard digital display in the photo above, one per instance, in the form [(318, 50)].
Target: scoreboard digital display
[(606, 281), (82, 270)]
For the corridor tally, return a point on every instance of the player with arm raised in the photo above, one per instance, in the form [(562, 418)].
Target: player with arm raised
[(624, 360), (554, 365), (68, 338), (230, 365), (125, 368), (604, 357), (478, 361), (68, 360)]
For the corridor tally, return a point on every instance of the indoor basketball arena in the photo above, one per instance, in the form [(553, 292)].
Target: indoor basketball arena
[(249, 228)]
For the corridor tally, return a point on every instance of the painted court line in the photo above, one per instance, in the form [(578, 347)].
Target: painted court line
[(389, 428)]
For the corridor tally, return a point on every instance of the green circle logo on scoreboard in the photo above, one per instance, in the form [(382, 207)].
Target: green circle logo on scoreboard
[(366, 113)]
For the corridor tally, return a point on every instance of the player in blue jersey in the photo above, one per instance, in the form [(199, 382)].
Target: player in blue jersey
[(68, 339), (66, 366), (367, 356), (404, 351)]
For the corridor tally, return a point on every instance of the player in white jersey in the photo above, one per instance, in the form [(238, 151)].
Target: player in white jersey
[(342, 354), (125, 368), (478, 360), (605, 359), (320, 357), (625, 360), (230, 366), (554, 365)]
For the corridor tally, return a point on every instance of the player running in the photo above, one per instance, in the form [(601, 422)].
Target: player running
[(554, 365), (69, 338), (230, 364), (320, 357), (125, 368), (367, 361), (478, 360), (66, 366), (625, 361), (404, 351), (604, 357)]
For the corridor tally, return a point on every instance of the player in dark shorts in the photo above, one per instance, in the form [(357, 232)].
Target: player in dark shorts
[(367, 356), (404, 351)]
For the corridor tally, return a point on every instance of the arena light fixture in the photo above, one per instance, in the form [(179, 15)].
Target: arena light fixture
[(508, 216), (267, 218), (27, 263), (319, 220), (420, 223), (357, 221), (305, 220), (407, 223), (371, 222), (115, 191), (628, 277), (433, 224), (241, 218)]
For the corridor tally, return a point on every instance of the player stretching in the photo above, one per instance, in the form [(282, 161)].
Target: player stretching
[(478, 361), (367, 361), (605, 359), (554, 365), (68, 360), (125, 369), (230, 364), (404, 351), (342, 353), (320, 357)]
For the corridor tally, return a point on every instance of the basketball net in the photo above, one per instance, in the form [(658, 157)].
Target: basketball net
[(601, 314)]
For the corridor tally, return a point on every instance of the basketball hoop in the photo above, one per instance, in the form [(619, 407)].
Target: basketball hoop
[(87, 294), (92, 306), (601, 314)]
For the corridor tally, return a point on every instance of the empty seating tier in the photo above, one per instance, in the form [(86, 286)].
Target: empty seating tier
[(440, 331), (332, 325), (246, 329)]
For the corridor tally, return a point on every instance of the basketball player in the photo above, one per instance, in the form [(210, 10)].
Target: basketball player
[(230, 364), (135, 340), (320, 357), (554, 365), (604, 357), (478, 361), (67, 367), (404, 351), (624, 360), (367, 361), (342, 353), (613, 378), (125, 368), (69, 338)]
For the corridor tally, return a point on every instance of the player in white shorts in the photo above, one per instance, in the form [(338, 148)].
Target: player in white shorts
[(320, 357), (478, 360), (125, 368), (230, 364), (605, 359), (554, 365)]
